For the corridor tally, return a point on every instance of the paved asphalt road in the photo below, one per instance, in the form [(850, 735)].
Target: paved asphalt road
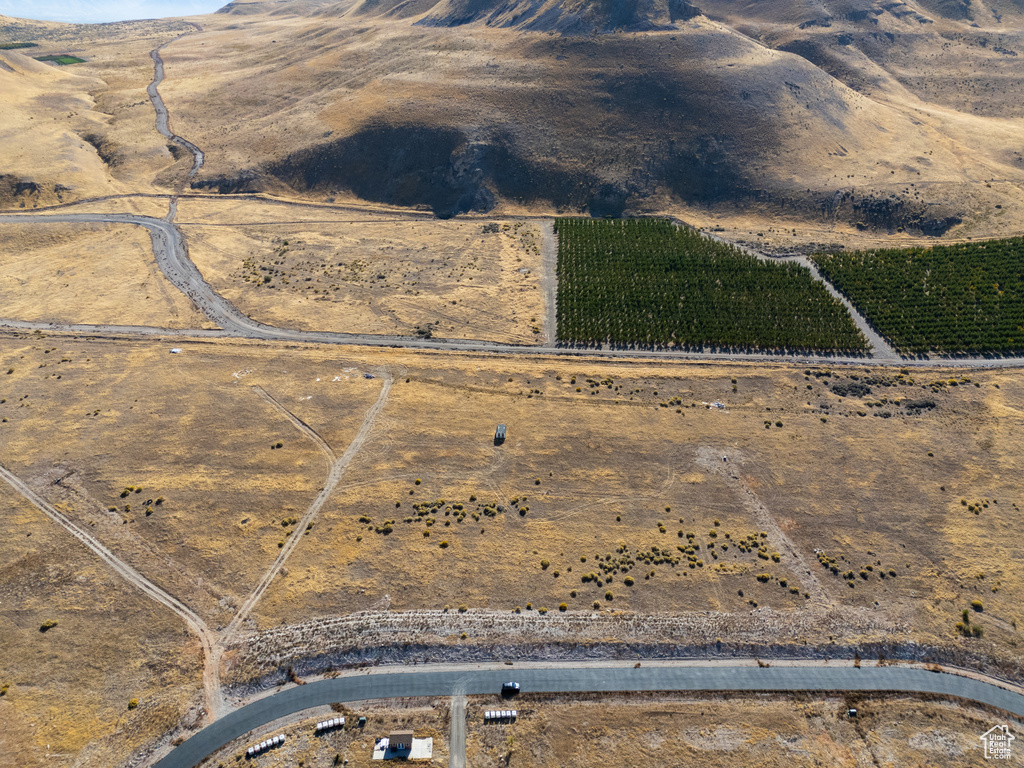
[(424, 682)]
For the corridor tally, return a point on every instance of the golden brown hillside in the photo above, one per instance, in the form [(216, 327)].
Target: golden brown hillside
[(906, 117), (853, 112)]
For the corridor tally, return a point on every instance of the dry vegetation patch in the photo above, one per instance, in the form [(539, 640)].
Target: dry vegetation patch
[(67, 688), (376, 274), (764, 730), (64, 273)]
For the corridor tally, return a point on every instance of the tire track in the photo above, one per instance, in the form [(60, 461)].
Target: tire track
[(208, 639), (302, 426), (710, 459), (337, 471)]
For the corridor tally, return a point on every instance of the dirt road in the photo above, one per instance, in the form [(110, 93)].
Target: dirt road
[(549, 280), (162, 116), (208, 639), (337, 471), (457, 737)]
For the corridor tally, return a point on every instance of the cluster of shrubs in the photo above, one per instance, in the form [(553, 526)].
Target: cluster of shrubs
[(976, 506), (424, 512), (965, 627), (851, 576)]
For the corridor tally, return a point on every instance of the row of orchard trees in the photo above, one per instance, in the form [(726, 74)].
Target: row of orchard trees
[(649, 283), (965, 298)]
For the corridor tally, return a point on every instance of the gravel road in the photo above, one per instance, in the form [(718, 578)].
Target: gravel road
[(457, 737), (163, 118)]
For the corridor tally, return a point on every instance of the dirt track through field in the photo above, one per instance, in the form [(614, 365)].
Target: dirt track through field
[(337, 471), (720, 463), (880, 348), (208, 639), (302, 426)]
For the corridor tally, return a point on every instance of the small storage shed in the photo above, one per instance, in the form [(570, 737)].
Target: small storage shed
[(499, 434), (399, 741)]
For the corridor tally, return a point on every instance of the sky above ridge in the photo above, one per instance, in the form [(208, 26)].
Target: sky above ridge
[(99, 11)]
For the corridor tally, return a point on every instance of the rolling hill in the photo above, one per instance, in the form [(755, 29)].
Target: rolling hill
[(871, 113)]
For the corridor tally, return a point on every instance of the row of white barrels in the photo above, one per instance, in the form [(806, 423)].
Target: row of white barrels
[(326, 725), (500, 715), (263, 746)]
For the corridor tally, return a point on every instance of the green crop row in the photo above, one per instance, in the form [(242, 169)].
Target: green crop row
[(650, 283), (964, 298)]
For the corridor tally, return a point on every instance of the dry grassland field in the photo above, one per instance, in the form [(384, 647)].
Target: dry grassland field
[(64, 273), (590, 503), (67, 690), (171, 460), (596, 491), (363, 272), (722, 732), (602, 480)]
